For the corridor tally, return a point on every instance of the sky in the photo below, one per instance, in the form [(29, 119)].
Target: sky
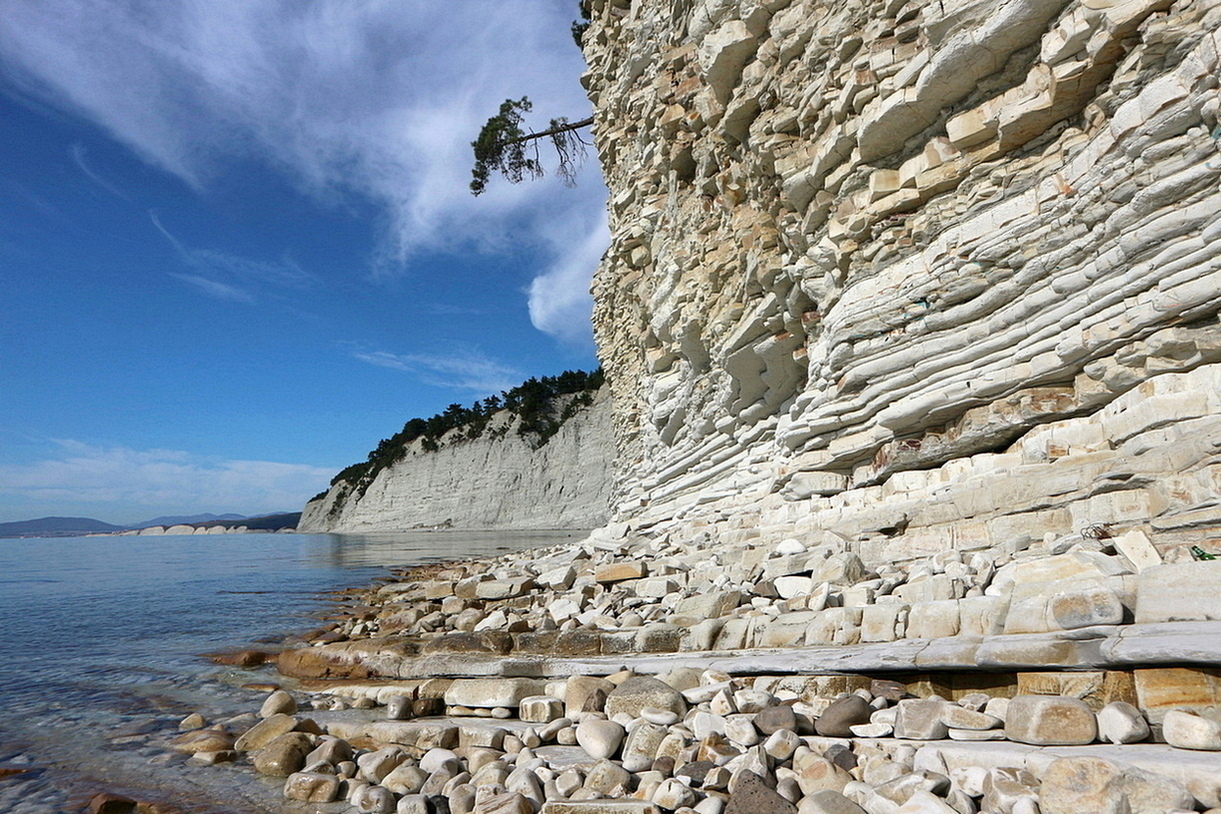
[(237, 246)]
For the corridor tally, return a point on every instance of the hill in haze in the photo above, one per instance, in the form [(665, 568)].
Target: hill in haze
[(55, 527)]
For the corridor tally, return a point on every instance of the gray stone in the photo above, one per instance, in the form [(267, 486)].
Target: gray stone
[(1048, 720), (639, 692), (846, 712), (1086, 607), (828, 802), (920, 719), (750, 795), (398, 707)]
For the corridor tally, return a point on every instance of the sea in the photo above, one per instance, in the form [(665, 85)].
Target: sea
[(101, 643)]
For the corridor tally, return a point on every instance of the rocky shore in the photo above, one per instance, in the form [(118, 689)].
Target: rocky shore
[(635, 671)]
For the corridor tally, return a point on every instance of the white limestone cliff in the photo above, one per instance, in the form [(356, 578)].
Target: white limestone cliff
[(923, 274), (497, 481)]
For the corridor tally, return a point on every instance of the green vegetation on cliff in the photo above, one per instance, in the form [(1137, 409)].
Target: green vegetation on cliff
[(540, 405)]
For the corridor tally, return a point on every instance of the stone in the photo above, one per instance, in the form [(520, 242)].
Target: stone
[(540, 709), (750, 795), (1005, 787), (265, 731), (955, 717), (578, 691), (1187, 591), (1044, 720), (621, 570), (417, 804), (192, 721), (1086, 607), (491, 692), (604, 777), (398, 707), (1188, 730), (774, 718), (920, 719), (405, 779), (377, 764), (600, 807), (279, 702), (641, 746), (1120, 722), (284, 755), (836, 720), (923, 802), (672, 795), (1138, 549), (933, 620), (639, 692), (205, 740), (311, 787), (600, 739), (1078, 784), (330, 750), (375, 800), (828, 802)]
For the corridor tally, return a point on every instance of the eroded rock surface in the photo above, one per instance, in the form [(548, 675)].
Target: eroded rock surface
[(924, 274)]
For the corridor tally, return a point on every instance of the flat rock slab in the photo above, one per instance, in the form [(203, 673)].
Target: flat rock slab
[(1200, 772)]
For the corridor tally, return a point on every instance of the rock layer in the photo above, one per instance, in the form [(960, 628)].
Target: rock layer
[(925, 274), (497, 481)]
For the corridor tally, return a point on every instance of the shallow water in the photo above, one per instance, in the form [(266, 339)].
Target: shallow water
[(100, 644)]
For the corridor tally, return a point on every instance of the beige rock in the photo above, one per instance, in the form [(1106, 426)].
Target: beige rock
[(311, 787), (1188, 730), (1046, 720)]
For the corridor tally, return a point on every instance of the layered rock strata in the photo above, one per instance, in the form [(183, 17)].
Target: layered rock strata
[(927, 274), (497, 481)]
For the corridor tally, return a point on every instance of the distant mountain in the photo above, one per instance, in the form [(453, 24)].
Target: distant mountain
[(55, 527), (188, 519)]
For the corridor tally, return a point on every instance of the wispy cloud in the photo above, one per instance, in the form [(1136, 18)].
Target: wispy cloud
[(465, 370), (78, 152), (378, 99), (228, 277), (90, 477), (560, 302)]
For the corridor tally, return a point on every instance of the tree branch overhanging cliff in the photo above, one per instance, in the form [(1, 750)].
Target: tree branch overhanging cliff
[(504, 147)]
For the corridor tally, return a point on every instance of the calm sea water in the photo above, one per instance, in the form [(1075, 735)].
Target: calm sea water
[(100, 640)]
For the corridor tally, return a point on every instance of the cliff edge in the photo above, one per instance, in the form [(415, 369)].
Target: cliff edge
[(498, 480), (924, 275)]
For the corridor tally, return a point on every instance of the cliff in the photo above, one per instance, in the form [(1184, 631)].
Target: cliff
[(922, 274), (498, 480)]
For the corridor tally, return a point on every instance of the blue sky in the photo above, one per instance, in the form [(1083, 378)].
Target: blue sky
[(237, 246)]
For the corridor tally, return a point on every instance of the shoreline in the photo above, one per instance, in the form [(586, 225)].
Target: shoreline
[(423, 665)]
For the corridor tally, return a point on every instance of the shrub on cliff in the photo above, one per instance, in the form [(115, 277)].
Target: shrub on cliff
[(540, 405)]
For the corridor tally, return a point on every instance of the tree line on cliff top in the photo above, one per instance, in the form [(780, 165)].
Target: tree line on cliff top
[(538, 404)]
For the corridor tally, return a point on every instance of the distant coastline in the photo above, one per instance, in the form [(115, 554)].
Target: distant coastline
[(51, 527)]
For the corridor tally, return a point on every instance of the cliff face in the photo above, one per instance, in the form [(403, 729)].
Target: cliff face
[(494, 481), (925, 274)]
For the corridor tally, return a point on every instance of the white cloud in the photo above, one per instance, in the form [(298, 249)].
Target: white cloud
[(374, 98), (560, 302), (78, 152), (107, 479), (228, 277), (465, 370)]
